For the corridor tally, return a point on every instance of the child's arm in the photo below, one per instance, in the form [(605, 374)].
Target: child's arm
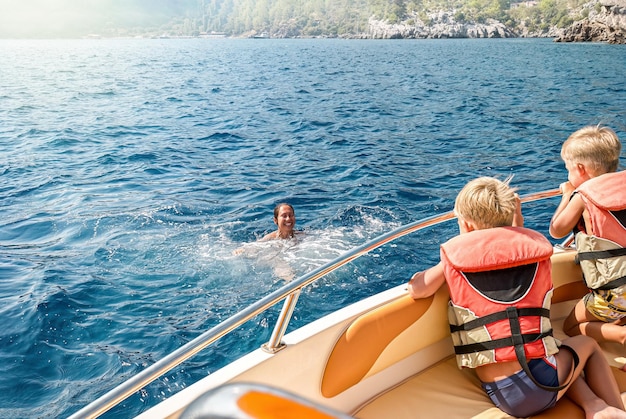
[(426, 283), (568, 212), (518, 218)]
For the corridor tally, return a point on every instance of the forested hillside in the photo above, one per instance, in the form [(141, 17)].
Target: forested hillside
[(276, 18), (350, 17)]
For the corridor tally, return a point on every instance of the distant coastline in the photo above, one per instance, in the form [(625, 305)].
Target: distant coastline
[(595, 21)]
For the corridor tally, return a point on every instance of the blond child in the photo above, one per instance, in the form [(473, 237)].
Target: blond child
[(499, 277), (593, 206)]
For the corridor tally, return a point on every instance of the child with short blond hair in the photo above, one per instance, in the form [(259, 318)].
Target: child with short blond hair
[(478, 199), (593, 207), (498, 274)]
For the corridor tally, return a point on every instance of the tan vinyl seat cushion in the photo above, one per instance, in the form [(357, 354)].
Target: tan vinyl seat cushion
[(445, 391)]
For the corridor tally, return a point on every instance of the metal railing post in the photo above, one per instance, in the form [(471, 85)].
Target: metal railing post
[(274, 344)]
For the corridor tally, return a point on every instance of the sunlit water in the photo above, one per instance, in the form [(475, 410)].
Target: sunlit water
[(133, 169)]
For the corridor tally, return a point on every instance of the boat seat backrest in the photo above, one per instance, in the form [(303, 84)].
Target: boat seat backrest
[(567, 277), (363, 342)]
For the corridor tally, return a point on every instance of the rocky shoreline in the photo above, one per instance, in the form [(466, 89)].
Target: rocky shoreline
[(442, 25), (606, 25)]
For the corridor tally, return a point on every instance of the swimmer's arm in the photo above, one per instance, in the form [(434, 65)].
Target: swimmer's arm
[(248, 250), (269, 236), (425, 283), (567, 215)]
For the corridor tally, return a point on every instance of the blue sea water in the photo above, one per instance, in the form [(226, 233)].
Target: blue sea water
[(132, 169)]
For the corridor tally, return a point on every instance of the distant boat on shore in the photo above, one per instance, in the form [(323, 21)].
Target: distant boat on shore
[(262, 35), (212, 34)]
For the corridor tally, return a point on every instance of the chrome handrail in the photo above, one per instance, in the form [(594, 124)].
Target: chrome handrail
[(164, 365), (275, 343)]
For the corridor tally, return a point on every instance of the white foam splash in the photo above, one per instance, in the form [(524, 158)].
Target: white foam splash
[(286, 259)]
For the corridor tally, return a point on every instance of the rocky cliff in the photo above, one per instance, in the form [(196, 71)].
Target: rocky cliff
[(607, 25), (605, 22), (441, 25)]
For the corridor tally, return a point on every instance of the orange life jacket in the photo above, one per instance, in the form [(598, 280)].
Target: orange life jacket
[(605, 200), (500, 290), (601, 247)]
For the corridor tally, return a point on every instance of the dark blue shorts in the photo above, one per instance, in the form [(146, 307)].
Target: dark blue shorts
[(518, 396)]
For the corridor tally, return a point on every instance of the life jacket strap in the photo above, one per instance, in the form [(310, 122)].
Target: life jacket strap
[(516, 331), (604, 254), (613, 284), (500, 343), (600, 254), (500, 315), (517, 340)]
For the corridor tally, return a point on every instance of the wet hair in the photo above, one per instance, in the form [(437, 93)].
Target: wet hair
[(597, 147), (282, 204), (487, 202)]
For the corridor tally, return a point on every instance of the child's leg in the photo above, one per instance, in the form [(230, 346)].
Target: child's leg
[(601, 331), (599, 382), (581, 321), (594, 407), (578, 315)]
